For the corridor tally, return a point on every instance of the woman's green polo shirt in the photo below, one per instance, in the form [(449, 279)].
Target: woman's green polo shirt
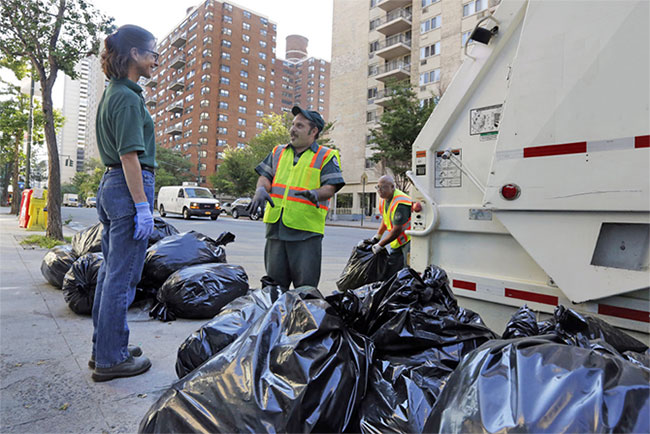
[(124, 125)]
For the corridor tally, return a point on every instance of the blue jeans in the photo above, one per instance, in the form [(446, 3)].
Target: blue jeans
[(122, 267)]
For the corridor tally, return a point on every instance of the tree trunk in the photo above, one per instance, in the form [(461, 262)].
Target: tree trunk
[(5, 183), (54, 226), (15, 173)]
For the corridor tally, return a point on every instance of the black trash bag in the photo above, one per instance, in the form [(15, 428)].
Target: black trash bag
[(80, 281), (233, 321), (56, 263), (523, 323), (420, 335), (88, 240), (365, 267), (539, 384), (179, 251), (297, 369), (199, 291), (161, 229)]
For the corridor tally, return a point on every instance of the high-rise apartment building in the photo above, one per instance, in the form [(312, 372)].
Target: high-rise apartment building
[(219, 76), (76, 140), (417, 40)]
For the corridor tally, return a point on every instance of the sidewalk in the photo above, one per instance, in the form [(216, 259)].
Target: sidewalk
[(45, 383)]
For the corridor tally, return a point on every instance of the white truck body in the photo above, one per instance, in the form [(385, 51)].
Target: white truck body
[(557, 106), (70, 199)]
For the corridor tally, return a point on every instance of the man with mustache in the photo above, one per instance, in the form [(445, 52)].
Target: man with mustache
[(297, 180)]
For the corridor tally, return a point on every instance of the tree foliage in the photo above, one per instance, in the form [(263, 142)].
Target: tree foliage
[(236, 175), (173, 169), (52, 35), (399, 125)]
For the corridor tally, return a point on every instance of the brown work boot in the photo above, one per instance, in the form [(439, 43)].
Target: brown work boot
[(128, 368), (134, 350)]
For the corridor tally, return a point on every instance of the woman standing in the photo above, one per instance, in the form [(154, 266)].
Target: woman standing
[(125, 138)]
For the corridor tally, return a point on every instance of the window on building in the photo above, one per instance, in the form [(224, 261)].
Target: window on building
[(223, 117), (259, 125), (244, 61), (208, 28), (227, 7), (226, 31), (189, 97), (246, 38), (241, 133), (187, 122), (262, 44), (261, 78), (206, 52), (259, 113), (260, 90), (247, 14), (222, 142), (465, 37), (243, 85), (204, 116), (262, 67), (243, 97), (209, 15), (473, 7), (224, 80), (189, 109), (265, 22), (203, 129), (224, 92), (245, 49), (225, 68), (246, 26), (225, 56), (260, 101), (431, 24), (205, 90), (263, 32), (243, 73), (206, 65), (223, 130), (241, 121), (430, 50), (226, 43), (227, 19), (430, 77), (241, 109), (374, 46), (262, 55)]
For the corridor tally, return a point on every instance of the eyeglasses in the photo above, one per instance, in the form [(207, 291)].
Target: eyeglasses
[(382, 187), (155, 55)]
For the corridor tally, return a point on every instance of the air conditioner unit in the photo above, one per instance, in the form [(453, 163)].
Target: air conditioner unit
[(423, 62), (423, 88)]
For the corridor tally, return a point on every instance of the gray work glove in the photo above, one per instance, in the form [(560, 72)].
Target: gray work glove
[(376, 248), (261, 196), (310, 195), (374, 240)]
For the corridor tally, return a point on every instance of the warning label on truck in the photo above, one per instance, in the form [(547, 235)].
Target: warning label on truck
[(485, 121), (447, 174)]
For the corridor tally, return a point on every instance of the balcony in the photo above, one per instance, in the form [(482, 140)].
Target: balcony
[(177, 85), (179, 40), (151, 101), (178, 62), (395, 46), (151, 83), (177, 129), (390, 71), (396, 21), (176, 107), (383, 96), (389, 5)]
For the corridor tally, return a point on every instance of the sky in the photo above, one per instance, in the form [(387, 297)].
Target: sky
[(309, 18)]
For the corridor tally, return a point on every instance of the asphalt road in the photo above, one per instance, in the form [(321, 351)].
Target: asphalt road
[(248, 248)]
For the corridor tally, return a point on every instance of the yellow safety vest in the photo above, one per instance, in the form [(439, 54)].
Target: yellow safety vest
[(399, 197), (297, 212)]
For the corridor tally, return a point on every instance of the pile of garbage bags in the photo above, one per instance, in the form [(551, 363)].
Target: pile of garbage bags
[(401, 356), (199, 291), (365, 267), (80, 282), (56, 263)]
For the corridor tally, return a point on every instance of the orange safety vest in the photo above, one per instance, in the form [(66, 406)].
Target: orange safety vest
[(399, 197)]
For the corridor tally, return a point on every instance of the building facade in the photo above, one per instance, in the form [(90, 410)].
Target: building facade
[(417, 40), (219, 75)]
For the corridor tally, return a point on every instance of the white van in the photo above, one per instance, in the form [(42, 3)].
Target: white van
[(188, 200)]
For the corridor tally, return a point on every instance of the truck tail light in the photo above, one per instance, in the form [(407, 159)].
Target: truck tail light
[(510, 191)]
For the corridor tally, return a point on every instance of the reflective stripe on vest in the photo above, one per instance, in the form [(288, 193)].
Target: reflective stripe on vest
[(399, 197), (297, 212)]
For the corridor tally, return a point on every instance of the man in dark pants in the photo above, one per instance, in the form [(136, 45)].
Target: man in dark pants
[(297, 180)]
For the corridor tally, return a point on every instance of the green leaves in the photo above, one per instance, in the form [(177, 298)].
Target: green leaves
[(173, 169), (400, 124)]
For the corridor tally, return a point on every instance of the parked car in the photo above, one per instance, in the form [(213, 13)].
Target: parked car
[(91, 202), (71, 199), (239, 208), (188, 201)]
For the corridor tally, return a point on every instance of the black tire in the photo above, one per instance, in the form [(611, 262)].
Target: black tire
[(186, 214), (235, 214), (255, 216), (214, 216), (161, 210)]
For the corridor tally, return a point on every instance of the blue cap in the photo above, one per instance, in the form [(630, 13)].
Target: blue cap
[(312, 115)]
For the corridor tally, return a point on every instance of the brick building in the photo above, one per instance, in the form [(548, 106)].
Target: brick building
[(218, 77)]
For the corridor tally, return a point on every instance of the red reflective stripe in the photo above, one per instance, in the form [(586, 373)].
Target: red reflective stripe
[(463, 284), (532, 296), (279, 196), (324, 158), (306, 202), (298, 188), (624, 312), (642, 142), (278, 185), (397, 202), (548, 150)]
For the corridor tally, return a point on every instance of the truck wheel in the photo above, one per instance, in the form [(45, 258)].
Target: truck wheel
[(162, 212), (186, 214), (235, 214), (214, 216)]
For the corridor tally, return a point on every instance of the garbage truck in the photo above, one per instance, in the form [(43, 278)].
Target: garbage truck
[(533, 170)]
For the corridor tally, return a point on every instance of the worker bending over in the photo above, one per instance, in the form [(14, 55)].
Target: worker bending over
[(395, 208), (297, 180)]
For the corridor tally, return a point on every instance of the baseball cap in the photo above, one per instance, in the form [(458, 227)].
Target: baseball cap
[(312, 115)]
